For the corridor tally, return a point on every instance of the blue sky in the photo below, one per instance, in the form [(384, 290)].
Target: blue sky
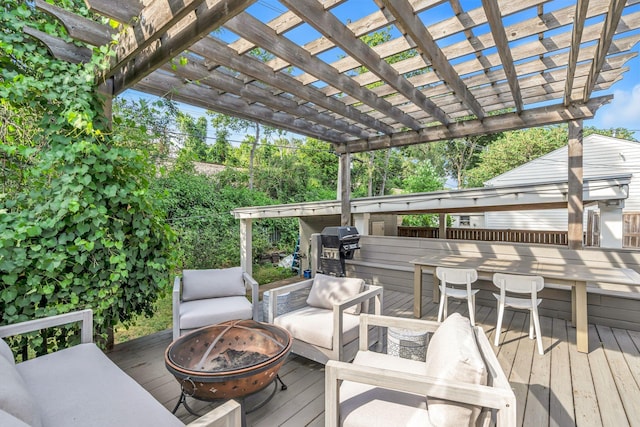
[(623, 111)]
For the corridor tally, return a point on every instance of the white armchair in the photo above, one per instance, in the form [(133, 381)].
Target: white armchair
[(460, 384), (326, 326), (207, 297)]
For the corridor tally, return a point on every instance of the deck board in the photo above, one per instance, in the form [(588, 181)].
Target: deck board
[(560, 388)]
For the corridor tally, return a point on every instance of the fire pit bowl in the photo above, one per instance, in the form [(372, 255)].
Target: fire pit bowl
[(229, 360)]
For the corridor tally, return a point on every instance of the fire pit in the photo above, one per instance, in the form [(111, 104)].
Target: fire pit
[(230, 360)]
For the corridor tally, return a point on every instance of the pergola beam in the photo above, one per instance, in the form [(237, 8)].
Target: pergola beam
[(208, 98), (120, 10), (504, 51), (197, 72), (78, 27), (221, 54), (426, 44), (608, 31), (209, 16), (326, 23), (250, 28), (155, 19), (59, 48), (574, 49), (509, 121)]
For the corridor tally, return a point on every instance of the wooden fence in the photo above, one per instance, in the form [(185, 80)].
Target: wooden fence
[(489, 235), (630, 234)]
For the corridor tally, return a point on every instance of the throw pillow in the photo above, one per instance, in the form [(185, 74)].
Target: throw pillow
[(213, 283), (15, 398), (329, 290), (453, 355)]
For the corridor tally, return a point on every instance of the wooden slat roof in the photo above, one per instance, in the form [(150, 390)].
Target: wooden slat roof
[(483, 66)]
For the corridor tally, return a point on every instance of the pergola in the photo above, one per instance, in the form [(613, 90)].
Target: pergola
[(489, 66)]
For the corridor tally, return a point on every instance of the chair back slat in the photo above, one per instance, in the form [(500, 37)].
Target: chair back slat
[(518, 283), (456, 276)]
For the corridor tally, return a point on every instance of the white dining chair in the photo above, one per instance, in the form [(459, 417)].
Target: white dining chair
[(457, 276), (520, 284)]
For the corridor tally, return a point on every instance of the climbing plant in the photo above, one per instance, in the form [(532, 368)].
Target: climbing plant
[(80, 230)]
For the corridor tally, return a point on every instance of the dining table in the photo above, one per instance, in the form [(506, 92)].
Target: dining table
[(574, 275)]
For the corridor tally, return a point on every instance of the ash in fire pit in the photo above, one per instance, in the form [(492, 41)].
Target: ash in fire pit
[(234, 359)]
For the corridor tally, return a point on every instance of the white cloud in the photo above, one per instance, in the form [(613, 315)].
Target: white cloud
[(624, 110)]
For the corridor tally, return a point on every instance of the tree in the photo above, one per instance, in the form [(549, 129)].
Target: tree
[(82, 230), (423, 179), (515, 148), (194, 135), (621, 133)]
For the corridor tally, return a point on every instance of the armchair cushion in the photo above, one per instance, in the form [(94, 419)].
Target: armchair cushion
[(313, 325), (364, 405), (213, 283), (461, 362), (5, 351), (329, 290), (198, 313), (15, 398)]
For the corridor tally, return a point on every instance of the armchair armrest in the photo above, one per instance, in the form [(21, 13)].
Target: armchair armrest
[(176, 307), (372, 292), (85, 317), (272, 309), (226, 415), (485, 396), (251, 284)]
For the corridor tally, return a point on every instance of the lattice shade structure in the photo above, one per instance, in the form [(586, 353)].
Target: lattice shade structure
[(487, 66)]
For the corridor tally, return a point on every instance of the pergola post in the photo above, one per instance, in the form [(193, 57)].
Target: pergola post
[(344, 188), (442, 226), (575, 177), (246, 246)]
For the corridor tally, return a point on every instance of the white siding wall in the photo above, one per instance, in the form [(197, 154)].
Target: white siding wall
[(603, 156)]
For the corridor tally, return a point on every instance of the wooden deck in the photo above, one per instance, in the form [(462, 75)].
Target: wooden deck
[(560, 388)]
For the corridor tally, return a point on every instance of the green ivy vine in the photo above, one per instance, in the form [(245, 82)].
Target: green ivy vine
[(78, 228)]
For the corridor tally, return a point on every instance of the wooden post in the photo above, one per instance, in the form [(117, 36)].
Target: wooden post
[(246, 246), (575, 177), (345, 188), (442, 223)]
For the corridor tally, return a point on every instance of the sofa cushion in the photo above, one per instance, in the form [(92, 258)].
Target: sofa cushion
[(15, 396), (8, 420), (5, 351), (460, 362), (329, 290), (363, 405), (80, 386), (205, 312), (315, 326), (213, 283)]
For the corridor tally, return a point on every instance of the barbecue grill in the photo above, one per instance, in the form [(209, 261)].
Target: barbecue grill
[(338, 244)]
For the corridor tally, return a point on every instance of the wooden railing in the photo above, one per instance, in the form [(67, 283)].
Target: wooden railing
[(548, 237)]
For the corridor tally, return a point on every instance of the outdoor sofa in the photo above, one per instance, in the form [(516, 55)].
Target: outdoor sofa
[(80, 386)]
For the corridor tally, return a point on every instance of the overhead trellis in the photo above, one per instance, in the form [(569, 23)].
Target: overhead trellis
[(487, 66)]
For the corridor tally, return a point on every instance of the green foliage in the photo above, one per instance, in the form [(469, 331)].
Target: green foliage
[(424, 178), (515, 148), (77, 226), (199, 210), (267, 273)]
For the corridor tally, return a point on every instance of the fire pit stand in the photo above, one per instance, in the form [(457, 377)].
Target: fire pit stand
[(231, 360)]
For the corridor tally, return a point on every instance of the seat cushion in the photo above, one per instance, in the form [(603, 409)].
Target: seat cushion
[(80, 386), (213, 283), (329, 290), (16, 397), (205, 312), (315, 326), (460, 362), (363, 405)]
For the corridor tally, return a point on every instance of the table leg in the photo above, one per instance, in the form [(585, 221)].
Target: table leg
[(417, 291), (573, 306), (582, 328)]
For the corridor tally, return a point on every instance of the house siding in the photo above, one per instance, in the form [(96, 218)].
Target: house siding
[(603, 156)]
